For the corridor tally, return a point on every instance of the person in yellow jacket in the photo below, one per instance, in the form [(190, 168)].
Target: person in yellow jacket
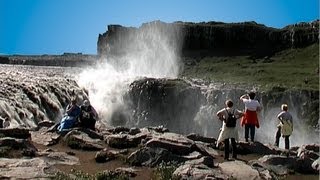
[(285, 127)]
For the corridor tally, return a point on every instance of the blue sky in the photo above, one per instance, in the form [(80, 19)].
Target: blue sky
[(58, 26)]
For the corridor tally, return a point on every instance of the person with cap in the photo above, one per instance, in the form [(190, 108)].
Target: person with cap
[(88, 115)]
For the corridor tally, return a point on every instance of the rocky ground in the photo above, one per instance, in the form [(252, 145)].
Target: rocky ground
[(145, 153)]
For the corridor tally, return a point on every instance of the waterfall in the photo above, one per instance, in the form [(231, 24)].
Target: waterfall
[(271, 102)]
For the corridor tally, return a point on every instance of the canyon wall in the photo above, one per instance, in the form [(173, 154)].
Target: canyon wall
[(214, 38)]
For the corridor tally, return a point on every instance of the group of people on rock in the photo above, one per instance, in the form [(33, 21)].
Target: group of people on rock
[(82, 116), (249, 119)]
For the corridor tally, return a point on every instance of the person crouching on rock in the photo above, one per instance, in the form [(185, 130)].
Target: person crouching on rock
[(250, 118), (70, 118), (229, 130), (88, 115), (285, 127)]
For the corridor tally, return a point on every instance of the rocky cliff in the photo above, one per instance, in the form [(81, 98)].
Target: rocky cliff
[(212, 38), (190, 107)]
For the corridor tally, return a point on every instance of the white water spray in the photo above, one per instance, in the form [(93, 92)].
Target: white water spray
[(150, 51)]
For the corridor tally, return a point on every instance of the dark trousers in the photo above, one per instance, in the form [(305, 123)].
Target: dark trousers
[(226, 148), (88, 123), (286, 139), (252, 129)]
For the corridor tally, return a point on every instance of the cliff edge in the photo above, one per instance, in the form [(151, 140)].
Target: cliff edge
[(212, 38)]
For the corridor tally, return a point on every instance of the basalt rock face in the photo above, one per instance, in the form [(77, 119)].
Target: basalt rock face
[(119, 40), (184, 107), (213, 38), (170, 102)]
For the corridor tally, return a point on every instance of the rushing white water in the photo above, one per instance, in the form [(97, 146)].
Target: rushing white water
[(150, 52)]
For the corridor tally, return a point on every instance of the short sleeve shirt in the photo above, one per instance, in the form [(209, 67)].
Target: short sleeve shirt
[(223, 111), (285, 115), (251, 104)]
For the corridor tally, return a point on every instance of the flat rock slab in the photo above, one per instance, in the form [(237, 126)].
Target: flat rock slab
[(45, 138), (35, 168), (53, 158), (239, 170), (24, 168), (20, 133), (173, 142), (198, 172), (80, 140)]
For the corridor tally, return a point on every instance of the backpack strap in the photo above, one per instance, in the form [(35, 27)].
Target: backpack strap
[(228, 111)]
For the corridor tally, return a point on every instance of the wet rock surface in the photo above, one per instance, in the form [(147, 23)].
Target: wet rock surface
[(29, 97)]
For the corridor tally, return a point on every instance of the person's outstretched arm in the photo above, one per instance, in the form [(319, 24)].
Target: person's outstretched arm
[(220, 115), (245, 96)]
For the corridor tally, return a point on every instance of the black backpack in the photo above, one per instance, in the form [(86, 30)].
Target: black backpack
[(231, 121)]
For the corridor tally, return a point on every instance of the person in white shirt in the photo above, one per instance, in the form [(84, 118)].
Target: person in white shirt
[(285, 127), (250, 117), (229, 130)]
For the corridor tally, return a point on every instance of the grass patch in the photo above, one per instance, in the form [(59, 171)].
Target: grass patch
[(292, 68), (164, 171), (79, 175)]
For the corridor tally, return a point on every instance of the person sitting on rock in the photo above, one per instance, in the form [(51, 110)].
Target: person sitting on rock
[(229, 130), (70, 118), (88, 115), (285, 127)]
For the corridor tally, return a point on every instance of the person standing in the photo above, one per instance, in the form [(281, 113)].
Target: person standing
[(228, 116), (285, 127), (250, 118)]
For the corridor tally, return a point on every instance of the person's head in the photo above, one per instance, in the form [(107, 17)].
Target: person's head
[(252, 95), (284, 107), (229, 103), (86, 103)]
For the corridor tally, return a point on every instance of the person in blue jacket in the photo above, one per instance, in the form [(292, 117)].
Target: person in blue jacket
[(71, 116)]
